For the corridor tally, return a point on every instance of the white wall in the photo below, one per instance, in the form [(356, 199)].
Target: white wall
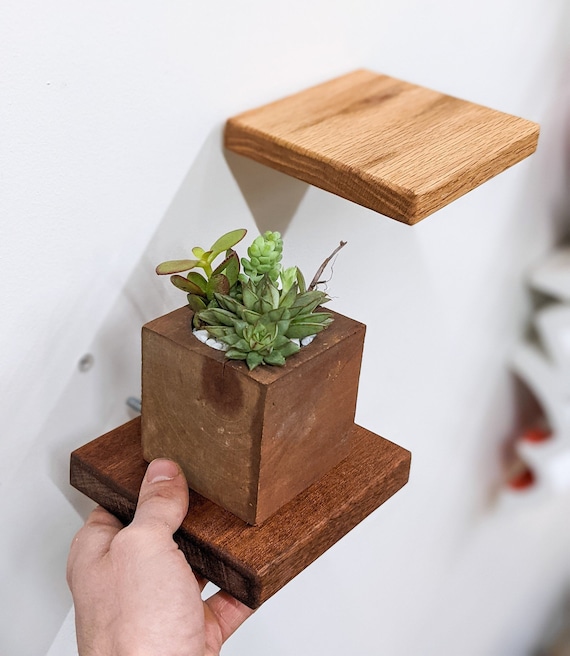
[(111, 117)]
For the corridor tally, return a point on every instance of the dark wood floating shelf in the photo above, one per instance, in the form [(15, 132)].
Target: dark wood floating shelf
[(252, 563), (397, 148)]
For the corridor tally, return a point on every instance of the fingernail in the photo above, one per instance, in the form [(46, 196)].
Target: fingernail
[(161, 470)]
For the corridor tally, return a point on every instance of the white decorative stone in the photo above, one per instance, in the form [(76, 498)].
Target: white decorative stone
[(205, 338), (213, 343), (202, 335)]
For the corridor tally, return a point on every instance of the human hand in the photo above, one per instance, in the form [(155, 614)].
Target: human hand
[(133, 590)]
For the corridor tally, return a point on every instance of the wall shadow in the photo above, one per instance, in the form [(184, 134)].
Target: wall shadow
[(272, 197)]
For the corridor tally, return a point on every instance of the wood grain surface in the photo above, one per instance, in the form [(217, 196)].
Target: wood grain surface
[(249, 441), (252, 563), (397, 148)]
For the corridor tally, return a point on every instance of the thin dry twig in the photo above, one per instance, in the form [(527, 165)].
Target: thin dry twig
[(315, 281)]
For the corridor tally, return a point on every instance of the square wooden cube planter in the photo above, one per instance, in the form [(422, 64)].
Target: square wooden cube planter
[(249, 441)]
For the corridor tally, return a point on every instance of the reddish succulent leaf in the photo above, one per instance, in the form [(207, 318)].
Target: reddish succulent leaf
[(196, 303), (186, 285), (227, 261), (198, 279), (219, 284), (175, 266)]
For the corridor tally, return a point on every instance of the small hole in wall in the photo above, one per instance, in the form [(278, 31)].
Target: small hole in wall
[(86, 362)]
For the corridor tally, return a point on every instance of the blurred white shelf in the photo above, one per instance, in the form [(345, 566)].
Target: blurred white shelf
[(553, 326), (552, 275), (546, 380), (550, 460), (544, 366)]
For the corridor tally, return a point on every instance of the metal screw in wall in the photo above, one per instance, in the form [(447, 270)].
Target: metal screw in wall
[(86, 362), (134, 403)]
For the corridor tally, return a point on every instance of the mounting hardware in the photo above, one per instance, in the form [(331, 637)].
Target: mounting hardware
[(134, 403), (86, 362)]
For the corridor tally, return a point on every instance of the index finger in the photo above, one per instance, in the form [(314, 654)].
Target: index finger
[(93, 539)]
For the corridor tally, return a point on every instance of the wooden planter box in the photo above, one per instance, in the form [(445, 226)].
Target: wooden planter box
[(249, 441)]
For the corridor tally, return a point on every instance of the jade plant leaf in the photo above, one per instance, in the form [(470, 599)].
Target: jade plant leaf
[(196, 302), (230, 267), (227, 241), (199, 280), (175, 266), (218, 284), (185, 285)]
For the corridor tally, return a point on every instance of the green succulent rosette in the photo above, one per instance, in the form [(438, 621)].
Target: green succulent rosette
[(261, 329), (262, 313)]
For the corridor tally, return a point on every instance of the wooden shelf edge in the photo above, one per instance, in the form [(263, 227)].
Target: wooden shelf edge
[(252, 563), (399, 149)]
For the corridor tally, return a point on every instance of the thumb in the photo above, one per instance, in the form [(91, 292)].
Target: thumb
[(163, 497)]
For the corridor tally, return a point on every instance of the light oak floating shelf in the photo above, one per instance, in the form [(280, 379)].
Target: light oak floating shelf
[(397, 148)]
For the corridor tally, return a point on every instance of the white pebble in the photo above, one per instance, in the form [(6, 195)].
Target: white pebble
[(307, 340), (202, 335), (296, 341), (213, 343)]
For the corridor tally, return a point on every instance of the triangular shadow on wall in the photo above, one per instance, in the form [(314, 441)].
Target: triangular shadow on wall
[(273, 197)]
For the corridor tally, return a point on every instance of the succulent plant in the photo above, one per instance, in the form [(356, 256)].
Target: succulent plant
[(265, 255), (201, 288), (261, 328), (260, 314)]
